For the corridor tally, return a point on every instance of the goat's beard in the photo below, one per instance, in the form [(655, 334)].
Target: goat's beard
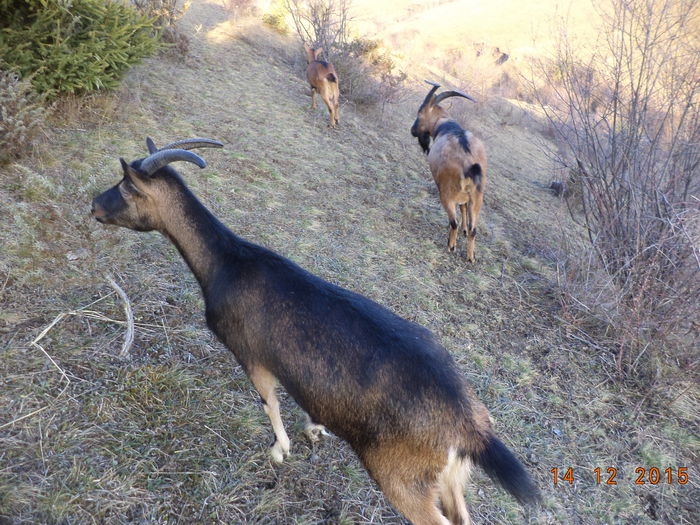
[(424, 141)]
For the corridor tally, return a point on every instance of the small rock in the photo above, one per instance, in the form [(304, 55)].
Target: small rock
[(77, 254)]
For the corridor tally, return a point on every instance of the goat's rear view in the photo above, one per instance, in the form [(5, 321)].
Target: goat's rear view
[(380, 382), (457, 161), (323, 80)]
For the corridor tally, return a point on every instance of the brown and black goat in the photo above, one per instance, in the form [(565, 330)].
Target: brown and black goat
[(323, 80), (457, 161), (380, 382)]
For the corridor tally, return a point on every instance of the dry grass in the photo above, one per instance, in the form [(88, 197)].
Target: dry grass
[(174, 433)]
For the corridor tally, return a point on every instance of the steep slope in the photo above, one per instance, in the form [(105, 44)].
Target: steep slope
[(174, 433)]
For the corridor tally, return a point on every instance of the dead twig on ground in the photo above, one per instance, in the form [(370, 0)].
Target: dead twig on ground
[(81, 312), (129, 336)]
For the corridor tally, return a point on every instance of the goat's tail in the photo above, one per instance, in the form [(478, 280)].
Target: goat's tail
[(504, 468), (475, 173), (331, 77)]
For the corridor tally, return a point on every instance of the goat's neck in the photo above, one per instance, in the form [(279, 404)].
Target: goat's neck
[(202, 240), (436, 125)]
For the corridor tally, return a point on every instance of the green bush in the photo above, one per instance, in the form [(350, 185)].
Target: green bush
[(73, 46)]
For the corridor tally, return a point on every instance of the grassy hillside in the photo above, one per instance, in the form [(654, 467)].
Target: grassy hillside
[(174, 432), (434, 27)]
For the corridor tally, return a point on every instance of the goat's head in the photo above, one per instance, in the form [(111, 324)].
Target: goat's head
[(312, 53), (133, 202), (430, 112)]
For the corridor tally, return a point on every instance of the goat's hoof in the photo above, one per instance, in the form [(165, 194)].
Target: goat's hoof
[(314, 432), (451, 249), (279, 453), (464, 232)]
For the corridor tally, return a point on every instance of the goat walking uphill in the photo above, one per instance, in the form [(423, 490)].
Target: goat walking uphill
[(457, 161), (378, 381), (323, 80)]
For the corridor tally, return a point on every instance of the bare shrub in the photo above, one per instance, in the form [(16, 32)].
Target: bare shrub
[(368, 74), (322, 23), (167, 13), (21, 116), (630, 120), (239, 7)]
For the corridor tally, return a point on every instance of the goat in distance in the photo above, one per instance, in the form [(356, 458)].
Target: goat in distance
[(457, 161), (323, 80)]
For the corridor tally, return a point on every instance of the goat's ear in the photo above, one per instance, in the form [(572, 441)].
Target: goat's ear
[(131, 174), (125, 166), (310, 56), (318, 52)]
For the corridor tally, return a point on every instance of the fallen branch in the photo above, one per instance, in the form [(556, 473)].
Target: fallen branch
[(129, 337), (82, 312)]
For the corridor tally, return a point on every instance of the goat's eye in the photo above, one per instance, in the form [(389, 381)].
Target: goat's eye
[(127, 188)]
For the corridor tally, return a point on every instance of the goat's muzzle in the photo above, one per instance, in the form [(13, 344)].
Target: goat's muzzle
[(422, 136), (414, 128), (97, 212)]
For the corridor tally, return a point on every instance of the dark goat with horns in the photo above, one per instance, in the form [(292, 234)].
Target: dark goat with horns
[(380, 382), (457, 161)]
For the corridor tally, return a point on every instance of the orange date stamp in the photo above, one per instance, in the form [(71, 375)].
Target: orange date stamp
[(611, 475)]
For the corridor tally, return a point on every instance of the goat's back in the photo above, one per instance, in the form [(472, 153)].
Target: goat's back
[(320, 73), (354, 366), (449, 160)]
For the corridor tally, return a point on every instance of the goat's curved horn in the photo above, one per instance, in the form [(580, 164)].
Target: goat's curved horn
[(152, 148), (430, 94), (157, 160), (446, 94), (193, 143)]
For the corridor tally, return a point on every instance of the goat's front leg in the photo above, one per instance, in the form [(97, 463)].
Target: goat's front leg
[(313, 430), (265, 384), (313, 97)]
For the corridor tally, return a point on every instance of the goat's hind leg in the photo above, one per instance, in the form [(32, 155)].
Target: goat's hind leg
[(406, 489), (451, 489), (331, 110), (415, 500), (463, 209), (450, 208), (265, 384), (474, 208)]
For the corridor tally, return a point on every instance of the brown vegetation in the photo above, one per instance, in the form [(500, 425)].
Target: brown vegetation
[(629, 118), (22, 115), (172, 432)]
